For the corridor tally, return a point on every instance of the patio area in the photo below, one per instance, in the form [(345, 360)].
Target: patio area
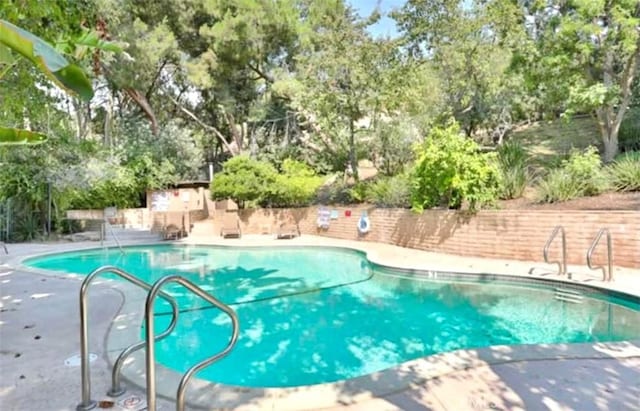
[(39, 337)]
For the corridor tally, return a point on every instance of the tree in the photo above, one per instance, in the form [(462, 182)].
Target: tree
[(295, 186), (214, 61), (243, 180), (588, 51), (337, 80), (470, 45), (56, 68)]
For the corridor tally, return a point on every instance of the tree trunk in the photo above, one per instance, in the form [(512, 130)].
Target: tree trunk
[(608, 118), (352, 150), (610, 147), (609, 127)]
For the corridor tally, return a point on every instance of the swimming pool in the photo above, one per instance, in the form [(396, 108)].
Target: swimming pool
[(314, 315)]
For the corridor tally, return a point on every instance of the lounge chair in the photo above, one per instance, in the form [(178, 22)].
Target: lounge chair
[(173, 232), (287, 229), (230, 226)]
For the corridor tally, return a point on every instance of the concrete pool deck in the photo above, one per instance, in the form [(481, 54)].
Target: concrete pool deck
[(39, 330)]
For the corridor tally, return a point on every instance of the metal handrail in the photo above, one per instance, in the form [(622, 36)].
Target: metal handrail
[(113, 233), (595, 242), (562, 265), (87, 403), (149, 334)]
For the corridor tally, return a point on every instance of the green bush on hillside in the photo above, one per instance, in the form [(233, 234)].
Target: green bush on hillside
[(296, 186), (119, 188), (557, 186), (629, 134), (244, 180), (514, 170), (390, 191), (624, 173), (252, 182), (586, 166), (579, 175), (451, 171)]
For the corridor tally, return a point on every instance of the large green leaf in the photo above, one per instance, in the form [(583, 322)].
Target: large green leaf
[(91, 39), (5, 55), (68, 76), (14, 136)]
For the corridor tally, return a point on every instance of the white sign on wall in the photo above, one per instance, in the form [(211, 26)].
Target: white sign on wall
[(160, 201)]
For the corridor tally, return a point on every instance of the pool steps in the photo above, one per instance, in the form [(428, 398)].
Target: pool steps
[(568, 295)]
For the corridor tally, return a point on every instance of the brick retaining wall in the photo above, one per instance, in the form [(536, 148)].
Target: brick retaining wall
[(510, 234)]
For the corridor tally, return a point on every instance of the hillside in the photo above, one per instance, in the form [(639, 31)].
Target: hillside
[(547, 140)]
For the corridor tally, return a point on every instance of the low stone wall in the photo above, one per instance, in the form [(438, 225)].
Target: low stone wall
[(509, 234), (126, 217)]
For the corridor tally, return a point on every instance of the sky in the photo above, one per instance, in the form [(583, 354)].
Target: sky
[(386, 25)]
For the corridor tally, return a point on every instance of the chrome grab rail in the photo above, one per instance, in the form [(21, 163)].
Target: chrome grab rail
[(113, 233), (150, 340), (562, 265), (595, 242), (87, 403)]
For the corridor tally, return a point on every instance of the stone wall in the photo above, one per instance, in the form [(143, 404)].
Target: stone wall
[(125, 217), (509, 234)]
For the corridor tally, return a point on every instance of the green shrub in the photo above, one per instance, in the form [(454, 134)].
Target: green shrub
[(586, 167), (244, 180), (118, 187), (629, 155), (390, 192), (514, 170), (579, 175), (629, 134), (295, 186), (358, 191), (624, 173), (450, 171), (339, 192), (512, 154), (392, 143), (558, 185)]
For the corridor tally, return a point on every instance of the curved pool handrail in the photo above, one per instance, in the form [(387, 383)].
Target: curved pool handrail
[(150, 340), (87, 403), (113, 234), (562, 265), (595, 242)]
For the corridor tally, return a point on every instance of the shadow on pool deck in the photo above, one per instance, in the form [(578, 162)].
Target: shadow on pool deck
[(39, 329), (603, 383)]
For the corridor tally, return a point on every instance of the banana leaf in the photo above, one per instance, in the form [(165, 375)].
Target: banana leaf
[(14, 136), (66, 75), (91, 39)]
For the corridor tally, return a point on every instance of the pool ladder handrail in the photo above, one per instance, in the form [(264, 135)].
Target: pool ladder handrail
[(86, 402), (113, 234), (150, 339), (562, 265), (595, 242)]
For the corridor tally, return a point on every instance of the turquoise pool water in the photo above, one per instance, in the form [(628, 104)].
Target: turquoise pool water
[(315, 315)]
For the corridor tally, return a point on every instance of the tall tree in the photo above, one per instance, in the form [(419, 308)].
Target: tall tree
[(588, 51), (337, 79), (470, 43)]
